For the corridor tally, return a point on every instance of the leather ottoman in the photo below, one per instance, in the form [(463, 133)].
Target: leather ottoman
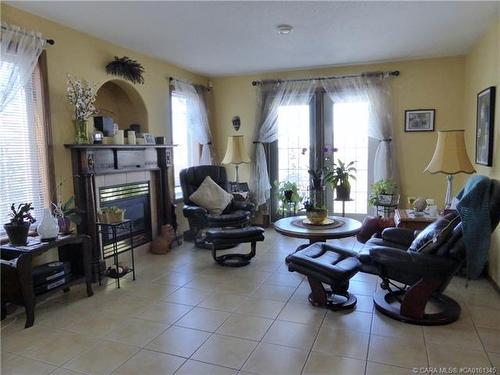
[(322, 265), (220, 238)]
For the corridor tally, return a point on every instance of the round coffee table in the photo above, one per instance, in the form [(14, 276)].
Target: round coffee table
[(289, 226)]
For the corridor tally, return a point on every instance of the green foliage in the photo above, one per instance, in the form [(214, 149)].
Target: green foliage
[(384, 186), (22, 214), (341, 174), (287, 192)]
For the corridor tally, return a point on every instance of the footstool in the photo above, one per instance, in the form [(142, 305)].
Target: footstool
[(218, 238), (322, 265)]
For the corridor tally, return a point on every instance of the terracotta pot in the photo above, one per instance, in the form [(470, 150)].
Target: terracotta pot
[(317, 215), (17, 233)]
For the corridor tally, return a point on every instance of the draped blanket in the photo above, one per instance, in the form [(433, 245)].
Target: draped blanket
[(474, 209)]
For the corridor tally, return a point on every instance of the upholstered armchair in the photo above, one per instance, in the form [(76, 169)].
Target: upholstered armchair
[(237, 214)]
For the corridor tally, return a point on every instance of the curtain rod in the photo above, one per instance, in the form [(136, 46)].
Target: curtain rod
[(208, 88), (393, 73), (48, 41)]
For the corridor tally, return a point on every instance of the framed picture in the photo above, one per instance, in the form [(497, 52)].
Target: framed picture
[(485, 120), (149, 138), (419, 120)]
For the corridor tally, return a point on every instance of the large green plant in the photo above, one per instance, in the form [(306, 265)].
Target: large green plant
[(341, 174), (287, 192)]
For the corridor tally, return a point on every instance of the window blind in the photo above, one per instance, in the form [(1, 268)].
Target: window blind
[(23, 149)]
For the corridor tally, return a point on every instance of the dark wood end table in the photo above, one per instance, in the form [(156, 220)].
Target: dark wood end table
[(17, 270)]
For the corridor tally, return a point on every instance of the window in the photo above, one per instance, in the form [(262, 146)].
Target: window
[(350, 137), (24, 160), (293, 139), (186, 153)]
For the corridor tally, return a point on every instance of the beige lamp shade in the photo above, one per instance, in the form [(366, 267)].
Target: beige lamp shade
[(236, 152), (450, 155)]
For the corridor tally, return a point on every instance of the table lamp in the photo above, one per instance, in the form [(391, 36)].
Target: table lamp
[(450, 157), (236, 153)]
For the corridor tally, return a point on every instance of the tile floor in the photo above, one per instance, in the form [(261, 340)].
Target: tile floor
[(187, 315)]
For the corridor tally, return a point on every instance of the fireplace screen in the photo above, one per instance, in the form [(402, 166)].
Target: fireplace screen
[(135, 200)]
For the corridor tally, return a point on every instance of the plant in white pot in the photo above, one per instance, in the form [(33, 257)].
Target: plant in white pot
[(20, 220), (383, 192)]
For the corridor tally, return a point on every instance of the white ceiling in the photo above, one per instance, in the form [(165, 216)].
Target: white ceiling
[(231, 38)]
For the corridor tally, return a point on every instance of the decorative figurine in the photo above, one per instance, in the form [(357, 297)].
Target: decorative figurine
[(163, 243)]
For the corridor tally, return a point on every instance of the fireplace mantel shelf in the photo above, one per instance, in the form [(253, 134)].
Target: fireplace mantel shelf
[(101, 146)]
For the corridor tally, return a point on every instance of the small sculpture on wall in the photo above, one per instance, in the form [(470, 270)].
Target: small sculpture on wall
[(236, 123), (163, 243), (127, 68)]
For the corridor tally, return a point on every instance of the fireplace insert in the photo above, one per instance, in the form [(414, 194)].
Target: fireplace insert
[(134, 198)]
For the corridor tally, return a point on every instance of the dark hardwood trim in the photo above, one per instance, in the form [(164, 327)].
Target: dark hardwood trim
[(42, 64)]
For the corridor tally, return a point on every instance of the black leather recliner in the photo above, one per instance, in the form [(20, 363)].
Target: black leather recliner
[(237, 214), (416, 267)]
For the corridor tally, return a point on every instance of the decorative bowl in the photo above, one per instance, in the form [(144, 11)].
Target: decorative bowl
[(317, 216)]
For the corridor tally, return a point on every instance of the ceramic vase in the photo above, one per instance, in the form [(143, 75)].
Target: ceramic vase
[(48, 228)]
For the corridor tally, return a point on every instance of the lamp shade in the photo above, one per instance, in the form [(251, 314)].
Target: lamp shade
[(450, 155), (236, 152)]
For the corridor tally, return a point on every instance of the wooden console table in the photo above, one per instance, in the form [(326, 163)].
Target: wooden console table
[(17, 270)]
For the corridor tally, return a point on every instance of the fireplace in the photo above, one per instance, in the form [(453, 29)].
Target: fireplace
[(134, 198)]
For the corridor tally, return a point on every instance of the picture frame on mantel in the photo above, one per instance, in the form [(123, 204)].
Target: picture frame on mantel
[(485, 122), (420, 120)]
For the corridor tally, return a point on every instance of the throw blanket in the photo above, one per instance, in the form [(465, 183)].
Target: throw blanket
[(474, 209)]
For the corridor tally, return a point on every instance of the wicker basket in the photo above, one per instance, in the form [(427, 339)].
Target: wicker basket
[(111, 217)]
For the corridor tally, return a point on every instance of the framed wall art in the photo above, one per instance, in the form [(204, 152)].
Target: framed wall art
[(485, 120), (419, 120)]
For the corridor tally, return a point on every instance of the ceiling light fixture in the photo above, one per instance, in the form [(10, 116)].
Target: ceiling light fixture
[(285, 29)]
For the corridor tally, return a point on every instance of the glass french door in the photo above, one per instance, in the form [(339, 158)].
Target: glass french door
[(308, 135)]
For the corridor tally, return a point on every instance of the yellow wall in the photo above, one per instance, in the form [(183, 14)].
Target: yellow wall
[(430, 83), (85, 57), (482, 70)]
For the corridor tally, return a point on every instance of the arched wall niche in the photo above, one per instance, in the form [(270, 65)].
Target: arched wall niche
[(121, 101)]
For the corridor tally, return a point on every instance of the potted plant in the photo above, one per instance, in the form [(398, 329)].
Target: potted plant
[(66, 214), (315, 214), (339, 178), (382, 192), (19, 226), (288, 194)]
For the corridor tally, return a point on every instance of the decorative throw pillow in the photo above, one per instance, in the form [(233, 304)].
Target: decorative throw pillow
[(434, 235), (211, 196)]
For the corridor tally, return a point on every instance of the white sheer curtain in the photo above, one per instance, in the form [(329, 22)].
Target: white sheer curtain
[(270, 97), (198, 126), (20, 50), (376, 91)]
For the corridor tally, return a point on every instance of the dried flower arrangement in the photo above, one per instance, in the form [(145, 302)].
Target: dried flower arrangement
[(127, 68), (82, 94)]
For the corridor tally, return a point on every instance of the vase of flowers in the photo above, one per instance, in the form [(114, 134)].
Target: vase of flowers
[(82, 95), (20, 220)]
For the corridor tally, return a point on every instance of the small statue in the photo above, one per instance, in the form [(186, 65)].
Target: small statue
[(163, 243), (420, 204)]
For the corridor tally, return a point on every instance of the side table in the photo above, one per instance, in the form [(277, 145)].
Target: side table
[(17, 270), (403, 218)]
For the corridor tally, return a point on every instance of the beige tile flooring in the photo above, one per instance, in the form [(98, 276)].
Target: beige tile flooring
[(187, 315)]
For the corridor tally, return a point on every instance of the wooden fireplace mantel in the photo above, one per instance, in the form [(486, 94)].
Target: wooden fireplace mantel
[(92, 160)]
